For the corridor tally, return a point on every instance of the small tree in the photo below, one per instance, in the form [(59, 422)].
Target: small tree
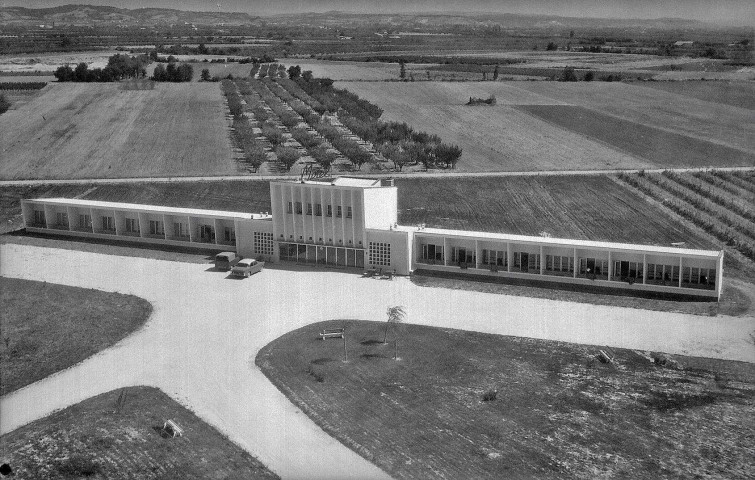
[(568, 75), (495, 73), (324, 157), (206, 75), (287, 156), (294, 72), (273, 134), (551, 46), (402, 69), (448, 154), (396, 315), (589, 76)]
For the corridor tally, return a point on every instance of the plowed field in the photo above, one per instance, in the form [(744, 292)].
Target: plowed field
[(100, 130), (503, 138)]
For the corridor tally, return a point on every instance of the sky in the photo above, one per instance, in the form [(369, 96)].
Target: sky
[(741, 12)]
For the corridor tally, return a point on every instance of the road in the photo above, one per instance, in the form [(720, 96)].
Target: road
[(443, 174), (200, 343)]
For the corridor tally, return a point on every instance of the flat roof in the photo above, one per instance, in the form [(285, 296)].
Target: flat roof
[(563, 242), (341, 182), (77, 202)]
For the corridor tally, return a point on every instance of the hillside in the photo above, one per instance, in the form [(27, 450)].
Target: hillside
[(94, 15)]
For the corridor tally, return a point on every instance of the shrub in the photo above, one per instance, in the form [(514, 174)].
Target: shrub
[(78, 465), (4, 104), (490, 395)]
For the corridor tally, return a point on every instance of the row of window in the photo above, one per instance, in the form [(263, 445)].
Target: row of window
[(342, 256), (297, 207)]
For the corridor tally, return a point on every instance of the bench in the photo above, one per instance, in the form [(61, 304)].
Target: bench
[(332, 333), (173, 429)]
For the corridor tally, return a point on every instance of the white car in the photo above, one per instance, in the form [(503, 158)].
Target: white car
[(246, 267)]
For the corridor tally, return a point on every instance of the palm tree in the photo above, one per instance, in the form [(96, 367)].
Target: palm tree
[(396, 314)]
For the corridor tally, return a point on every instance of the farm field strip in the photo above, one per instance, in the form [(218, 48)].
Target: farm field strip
[(736, 180), (674, 199), (736, 94), (737, 206), (660, 147), (728, 186), (98, 130), (505, 138), (704, 203), (709, 121)]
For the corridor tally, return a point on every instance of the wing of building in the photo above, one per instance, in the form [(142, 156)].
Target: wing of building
[(352, 222)]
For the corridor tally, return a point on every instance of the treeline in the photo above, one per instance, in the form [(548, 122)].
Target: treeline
[(396, 141), (22, 85), (119, 67), (173, 73)]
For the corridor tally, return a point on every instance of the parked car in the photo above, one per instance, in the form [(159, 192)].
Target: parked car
[(226, 260), (246, 267)]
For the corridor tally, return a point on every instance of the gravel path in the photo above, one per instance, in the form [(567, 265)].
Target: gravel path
[(200, 343)]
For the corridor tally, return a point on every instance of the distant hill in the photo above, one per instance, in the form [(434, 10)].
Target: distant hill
[(102, 15), (97, 15)]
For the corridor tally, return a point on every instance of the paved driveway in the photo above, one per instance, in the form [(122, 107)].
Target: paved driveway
[(200, 343)]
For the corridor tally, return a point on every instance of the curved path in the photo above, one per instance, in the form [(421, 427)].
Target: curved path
[(200, 344)]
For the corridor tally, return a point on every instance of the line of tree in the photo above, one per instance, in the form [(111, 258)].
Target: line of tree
[(119, 67), (22, 85), (173, 73)]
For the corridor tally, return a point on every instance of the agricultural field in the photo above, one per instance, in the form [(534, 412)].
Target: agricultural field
[(471, 405), (736, 94), (581, 207), (505, 137), (103, 130), (117, 435), (722, 204), (47, 327)]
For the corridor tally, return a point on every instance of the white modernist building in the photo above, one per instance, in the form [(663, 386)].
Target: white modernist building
[(352, 222)]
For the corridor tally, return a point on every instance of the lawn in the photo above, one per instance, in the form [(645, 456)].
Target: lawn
[(659, 147), (117, 435), (48, 327), (104, 131), (553, 409)]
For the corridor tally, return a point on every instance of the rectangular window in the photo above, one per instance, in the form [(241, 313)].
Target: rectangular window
[(180, 229), (39, 217), (379, 253), (330, 210), (338, 211), (206, 233), (318, 210), (85, 221), (132, 225), (298, 208), (348, 212), (290, 207), (309, 209), (108, 223), (156, 227), (517, 263), (61, 219), (229, 234)]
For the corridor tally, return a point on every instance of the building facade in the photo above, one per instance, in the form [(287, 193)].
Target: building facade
[(352, 222)]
